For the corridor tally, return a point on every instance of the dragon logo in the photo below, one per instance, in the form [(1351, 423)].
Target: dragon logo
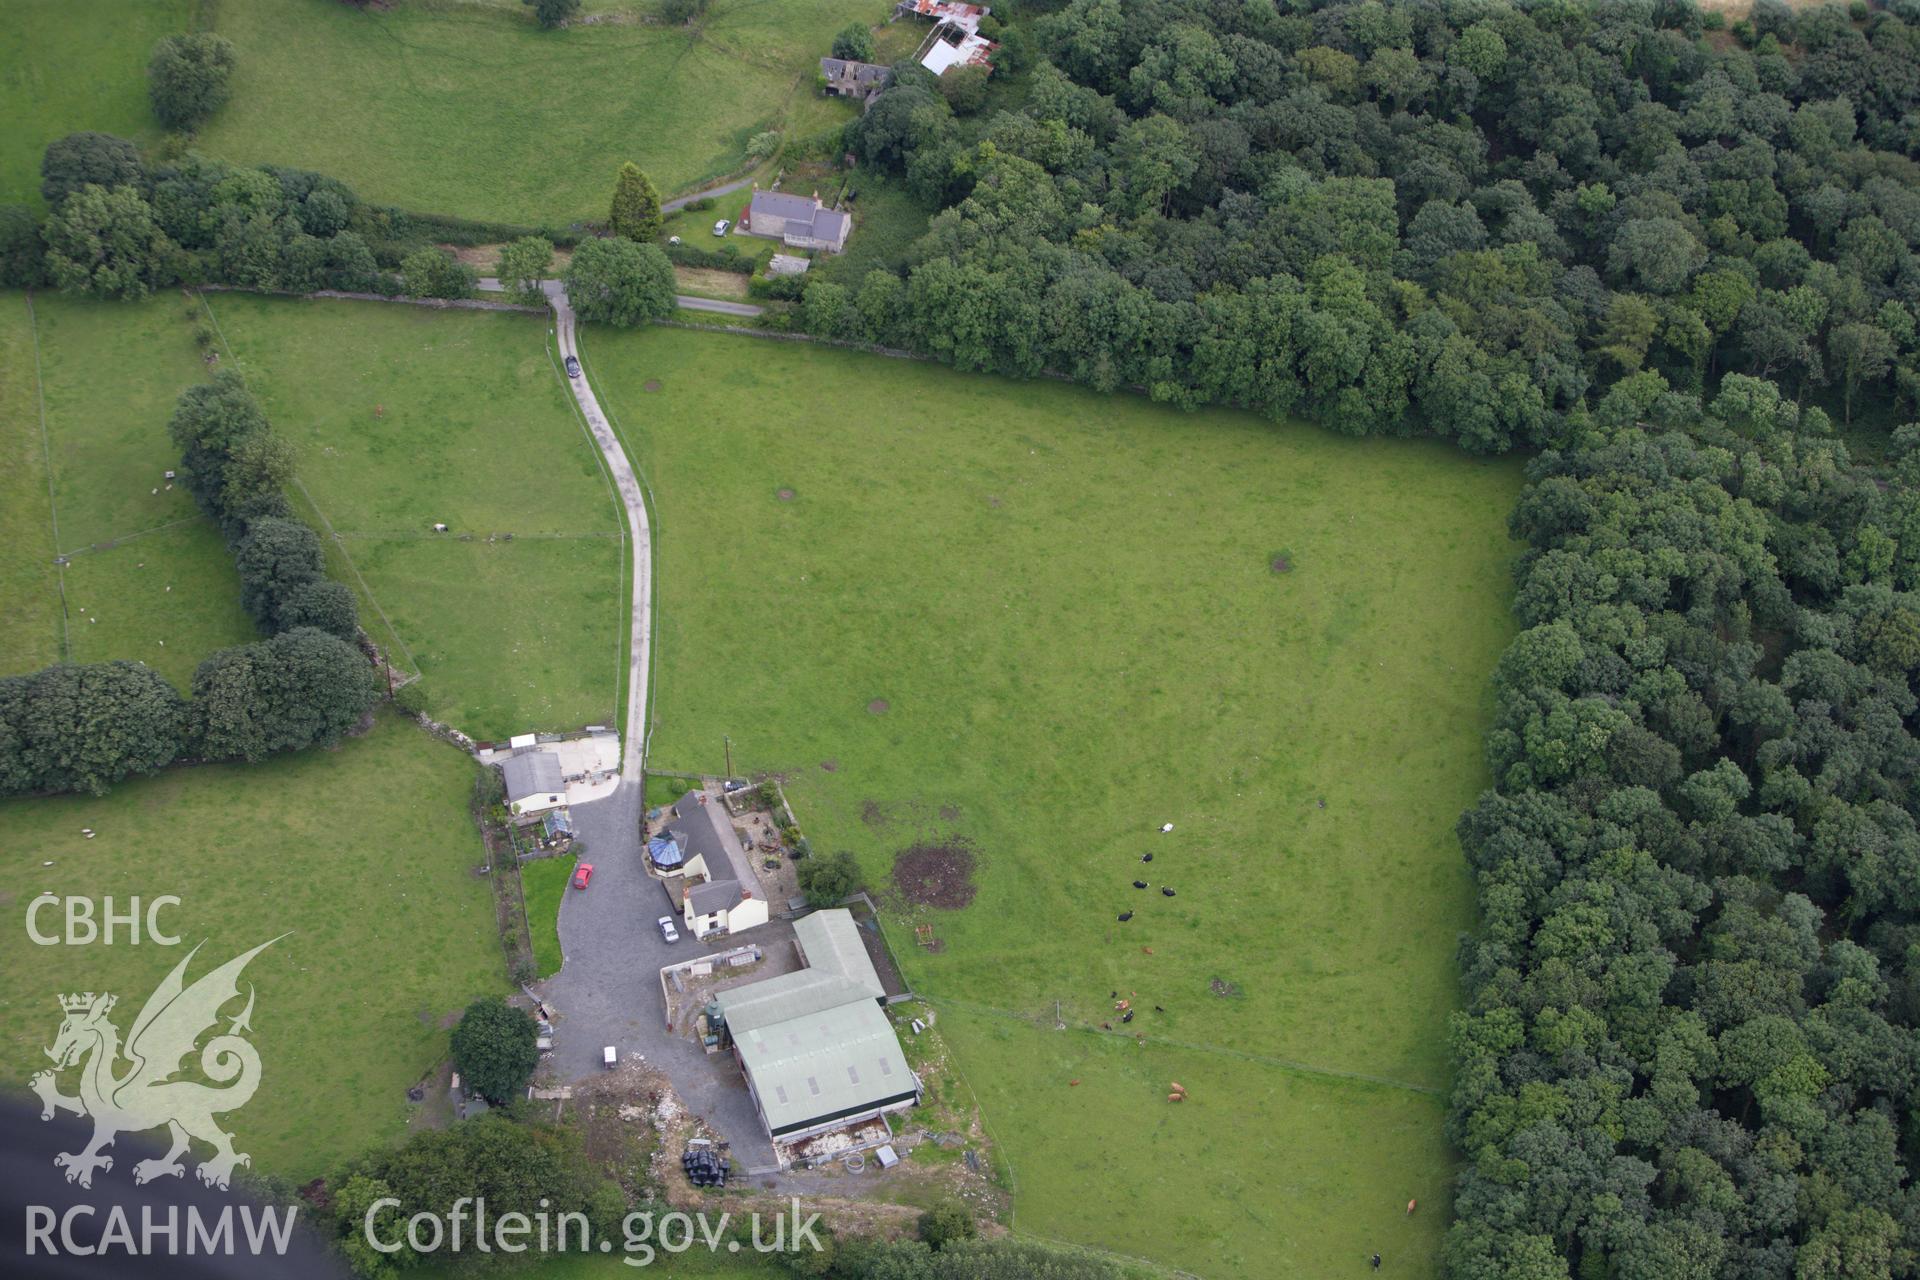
[(145, 1095)]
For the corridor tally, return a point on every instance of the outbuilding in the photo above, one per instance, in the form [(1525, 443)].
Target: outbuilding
[(816, 1046)]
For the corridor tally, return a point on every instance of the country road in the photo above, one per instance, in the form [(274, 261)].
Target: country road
[(608, 990), (633, 748), (724, 189), (686, 301)]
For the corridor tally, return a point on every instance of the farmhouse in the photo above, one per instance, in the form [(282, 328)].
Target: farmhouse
[(816, 1048), (849, 79), (799, 222), (533, 783), (719, 892)]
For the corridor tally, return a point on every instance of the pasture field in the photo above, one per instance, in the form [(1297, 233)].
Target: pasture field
[(30, 624), (354, 854), (473, 110), (1025, 625), (147, 576), (543, 882), (405, 417), (66, 67)]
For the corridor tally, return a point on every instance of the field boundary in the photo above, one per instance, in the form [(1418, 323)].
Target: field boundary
[(53, 503), (653, 570), (114, 543), (413, 535), (620, 632), (372, 599)]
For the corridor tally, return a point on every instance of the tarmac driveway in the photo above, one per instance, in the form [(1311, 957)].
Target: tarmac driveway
[(608, 992)]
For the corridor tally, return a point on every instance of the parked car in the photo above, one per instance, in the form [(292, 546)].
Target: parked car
[(573, 366), (667, 930), (721, 227), (582, 874)]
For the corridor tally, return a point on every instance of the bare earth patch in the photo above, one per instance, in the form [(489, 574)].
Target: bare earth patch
[(651, 384), (935, 875), (1282, 562), (785, 495), (715, 284), (879, 706), (872, 814), (830, 766)]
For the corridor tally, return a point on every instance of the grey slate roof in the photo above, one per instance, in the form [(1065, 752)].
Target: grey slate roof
[(714, 895), (704, 831), (782, 204), (831, 224), (536, 773), (873, 75)]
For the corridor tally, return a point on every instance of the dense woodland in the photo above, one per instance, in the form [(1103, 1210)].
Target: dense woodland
[(1460, 219), (1669, 255)]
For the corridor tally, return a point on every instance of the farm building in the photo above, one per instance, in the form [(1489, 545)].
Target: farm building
[(848, 79), (817, 1049), (955, 40), (720, 893), (533, 783), (799, 222)]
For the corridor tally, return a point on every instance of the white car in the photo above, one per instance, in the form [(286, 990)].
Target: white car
[(720, 227), (667, 930)]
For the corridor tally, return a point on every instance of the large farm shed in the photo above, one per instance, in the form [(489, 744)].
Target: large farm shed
[(817, 1049)]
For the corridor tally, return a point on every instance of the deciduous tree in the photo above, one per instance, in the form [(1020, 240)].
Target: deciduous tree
[(619, 282), (523, 265), (187, 77), (494, 1050)]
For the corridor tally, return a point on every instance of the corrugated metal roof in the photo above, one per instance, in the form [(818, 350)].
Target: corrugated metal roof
[(831, 1062), (816, 1043), (831, 942)]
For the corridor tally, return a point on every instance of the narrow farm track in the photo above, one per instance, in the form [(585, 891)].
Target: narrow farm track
[(627, 484)]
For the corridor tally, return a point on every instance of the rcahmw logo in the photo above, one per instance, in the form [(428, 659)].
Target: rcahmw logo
[(128, 1087)]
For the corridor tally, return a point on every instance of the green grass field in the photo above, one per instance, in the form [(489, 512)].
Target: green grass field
[(365, 853), (67, 67), (30, 627), (1039, 622), (147, 576), (473, 110), (404, 417), (544, 883)]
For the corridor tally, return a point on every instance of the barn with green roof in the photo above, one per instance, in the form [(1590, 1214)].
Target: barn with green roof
[(817, 1048)]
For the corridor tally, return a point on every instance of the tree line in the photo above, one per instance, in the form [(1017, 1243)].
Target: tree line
[(86, 726), (123, 225)]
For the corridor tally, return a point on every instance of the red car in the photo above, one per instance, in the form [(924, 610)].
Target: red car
[(582, 874)]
